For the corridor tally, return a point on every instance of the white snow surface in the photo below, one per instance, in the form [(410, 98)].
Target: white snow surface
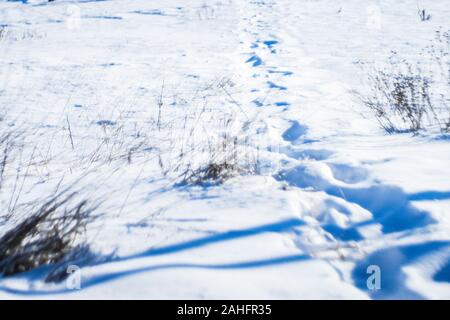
[(336, 195)]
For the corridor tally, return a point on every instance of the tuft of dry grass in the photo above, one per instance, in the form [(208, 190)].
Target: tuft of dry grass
[(47, 235), (412, 96), (213, 173)]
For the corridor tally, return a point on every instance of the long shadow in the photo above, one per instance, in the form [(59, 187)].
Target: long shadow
[(96, 280), (429, 195), (236, 265), (187, 245), (220, 237), (391, 262)]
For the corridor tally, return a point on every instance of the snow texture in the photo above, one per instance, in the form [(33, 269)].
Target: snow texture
[(129, 94)]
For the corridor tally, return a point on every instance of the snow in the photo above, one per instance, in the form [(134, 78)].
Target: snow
[(335, 194)]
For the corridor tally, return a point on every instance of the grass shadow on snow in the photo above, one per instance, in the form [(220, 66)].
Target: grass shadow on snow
[(429, 195), (129, 272), (284, 225), (221, 237)]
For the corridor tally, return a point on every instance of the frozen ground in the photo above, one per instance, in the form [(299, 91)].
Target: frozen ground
[(92, 80)]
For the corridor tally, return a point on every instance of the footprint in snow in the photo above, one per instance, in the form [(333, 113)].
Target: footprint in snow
[(257, 61), (282, 104), (271, 44), (275, 86), (283, 73), (294, 132)]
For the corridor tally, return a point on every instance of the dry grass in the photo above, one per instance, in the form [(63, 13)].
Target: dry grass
[(412, 96), (45, 236), (41, 228)]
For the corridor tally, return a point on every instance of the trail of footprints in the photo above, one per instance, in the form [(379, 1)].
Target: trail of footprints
[(263, 48), (354, 208)]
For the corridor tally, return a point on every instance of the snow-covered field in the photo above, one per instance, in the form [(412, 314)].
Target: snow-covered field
[(128, 99)]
